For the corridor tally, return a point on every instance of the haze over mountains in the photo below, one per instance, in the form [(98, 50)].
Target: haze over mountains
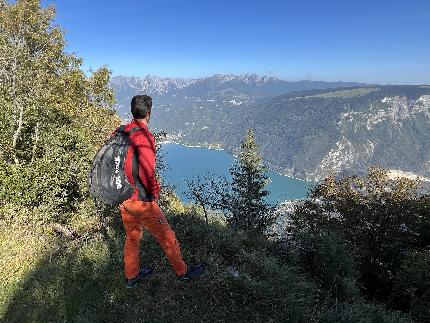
[(305, 129)]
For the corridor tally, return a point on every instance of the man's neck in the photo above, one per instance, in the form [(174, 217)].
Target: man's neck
[(144, 121)]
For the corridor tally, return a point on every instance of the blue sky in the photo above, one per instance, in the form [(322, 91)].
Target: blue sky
[(368, 41)]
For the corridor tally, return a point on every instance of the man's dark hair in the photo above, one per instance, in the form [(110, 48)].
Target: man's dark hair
[(140, 106)]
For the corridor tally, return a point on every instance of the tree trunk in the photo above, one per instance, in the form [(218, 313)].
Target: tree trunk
[(17, 132), (36, 139), (206, 213)]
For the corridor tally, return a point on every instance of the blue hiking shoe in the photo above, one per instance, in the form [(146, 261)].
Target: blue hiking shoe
[(193, 272), (132, 283)]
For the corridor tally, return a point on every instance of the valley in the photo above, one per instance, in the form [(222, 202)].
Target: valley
[(305, 129)]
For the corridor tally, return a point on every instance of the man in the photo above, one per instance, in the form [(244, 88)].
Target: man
[(141, 210)]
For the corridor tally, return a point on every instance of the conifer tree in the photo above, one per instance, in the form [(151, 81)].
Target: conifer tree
[(248, 208)]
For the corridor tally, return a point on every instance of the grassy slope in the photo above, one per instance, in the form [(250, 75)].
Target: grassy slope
[(58, 280), (52, 279)]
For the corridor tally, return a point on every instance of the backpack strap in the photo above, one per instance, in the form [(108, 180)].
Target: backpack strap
[(133, 130)]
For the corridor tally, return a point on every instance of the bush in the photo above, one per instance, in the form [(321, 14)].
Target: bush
[(412, 286), (334, 267), (373, 222), (362, 312)]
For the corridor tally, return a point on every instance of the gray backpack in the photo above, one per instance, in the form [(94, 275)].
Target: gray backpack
[(107, 181)]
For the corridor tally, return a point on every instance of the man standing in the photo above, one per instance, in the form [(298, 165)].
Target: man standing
[(141, 210)]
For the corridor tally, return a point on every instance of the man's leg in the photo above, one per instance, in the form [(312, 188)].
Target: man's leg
[(153, 220), (134, 232)]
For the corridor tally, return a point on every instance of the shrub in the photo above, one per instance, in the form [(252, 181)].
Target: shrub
[(334, 267), (375, 221), (362, 312), (412, 286)]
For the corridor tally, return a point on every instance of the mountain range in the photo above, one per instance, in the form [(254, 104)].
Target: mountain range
[(305, 129)]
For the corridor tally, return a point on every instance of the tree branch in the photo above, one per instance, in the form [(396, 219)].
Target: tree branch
[(36, 139), (18, 130)]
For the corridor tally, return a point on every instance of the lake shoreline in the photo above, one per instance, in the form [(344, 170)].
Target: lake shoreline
[(235, 156), (185, 162)]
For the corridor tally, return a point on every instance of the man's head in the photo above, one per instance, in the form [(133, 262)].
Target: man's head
[(141, 106)]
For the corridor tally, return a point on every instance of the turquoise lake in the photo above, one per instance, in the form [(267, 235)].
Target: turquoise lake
[(188, 162)]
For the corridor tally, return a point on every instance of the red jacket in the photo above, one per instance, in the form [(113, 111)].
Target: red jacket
[(139, 165)]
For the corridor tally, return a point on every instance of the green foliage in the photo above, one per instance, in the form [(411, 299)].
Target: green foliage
[(377, 222), (248, 208), (62, 253), (54, 116), (412, 286), (334, 267), (362, 312), (242, 200)]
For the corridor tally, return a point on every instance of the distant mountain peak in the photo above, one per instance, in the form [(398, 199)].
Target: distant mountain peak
[(252, 77), (307, 129), (247, 78), (151, 84)]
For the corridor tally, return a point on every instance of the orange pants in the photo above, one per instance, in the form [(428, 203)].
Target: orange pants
[(138, 214)]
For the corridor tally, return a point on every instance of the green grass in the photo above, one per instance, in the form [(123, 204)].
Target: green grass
[(48, 278), (57, 280), (21, 250)]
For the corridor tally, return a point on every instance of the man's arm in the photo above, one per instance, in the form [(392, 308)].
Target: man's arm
[(146, 154)]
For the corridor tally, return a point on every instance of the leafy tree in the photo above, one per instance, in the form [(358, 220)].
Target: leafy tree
[(379, 221), (53, 116)]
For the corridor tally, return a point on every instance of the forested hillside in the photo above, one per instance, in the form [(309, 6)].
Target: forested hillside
[(306, 134), (226, 90)]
